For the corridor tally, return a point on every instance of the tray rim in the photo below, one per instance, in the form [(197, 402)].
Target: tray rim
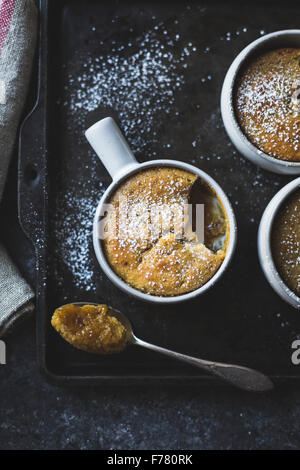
[(80, 380)]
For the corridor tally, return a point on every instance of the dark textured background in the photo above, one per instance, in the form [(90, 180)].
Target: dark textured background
[(35, 414)]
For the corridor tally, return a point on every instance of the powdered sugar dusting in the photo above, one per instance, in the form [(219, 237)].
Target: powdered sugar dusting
[(137, 83), (73, 223)]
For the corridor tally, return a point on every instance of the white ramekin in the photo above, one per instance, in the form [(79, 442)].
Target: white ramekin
[(265, 246), (108, 142), (286, 38)]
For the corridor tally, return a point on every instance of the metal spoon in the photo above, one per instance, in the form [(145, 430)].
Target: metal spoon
[(239, 376)]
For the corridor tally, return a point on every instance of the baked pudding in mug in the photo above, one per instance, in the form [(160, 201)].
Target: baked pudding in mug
[(150, 240), (267, 103)]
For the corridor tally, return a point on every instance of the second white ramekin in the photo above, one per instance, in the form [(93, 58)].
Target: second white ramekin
[(286, 38), (114, 152)]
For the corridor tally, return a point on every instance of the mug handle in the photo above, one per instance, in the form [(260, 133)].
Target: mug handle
[(111, 147)]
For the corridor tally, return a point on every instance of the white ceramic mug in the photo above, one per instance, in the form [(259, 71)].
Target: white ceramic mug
[(286, 38), (108, 142), (265, 245)]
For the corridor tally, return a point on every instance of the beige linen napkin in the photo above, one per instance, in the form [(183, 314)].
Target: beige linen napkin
[(18, 31)]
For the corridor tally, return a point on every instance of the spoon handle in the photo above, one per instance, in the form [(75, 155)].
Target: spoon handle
[(239, 376)]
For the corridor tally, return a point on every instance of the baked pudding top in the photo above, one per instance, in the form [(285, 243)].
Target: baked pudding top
[(267, 103), (150, 241)]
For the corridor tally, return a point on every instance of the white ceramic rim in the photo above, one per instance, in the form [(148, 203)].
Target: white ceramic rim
[(227, 108), (264, 244), (152, 298)]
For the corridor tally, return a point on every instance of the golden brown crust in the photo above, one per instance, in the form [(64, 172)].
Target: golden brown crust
[(264, 103), (159, 264)]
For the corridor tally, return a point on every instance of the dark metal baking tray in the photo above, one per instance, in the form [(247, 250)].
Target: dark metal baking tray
[(158, 68)]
